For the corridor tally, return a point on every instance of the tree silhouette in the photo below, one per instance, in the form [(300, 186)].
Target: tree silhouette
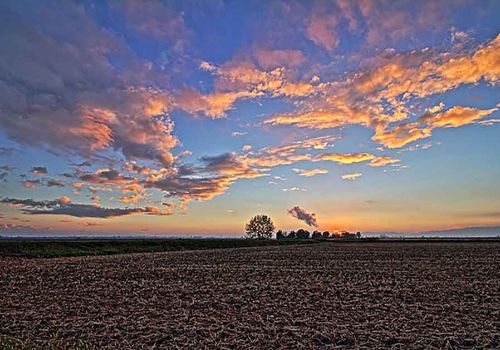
[(302, 234), (280, 234), (316, 235), (260, 227)]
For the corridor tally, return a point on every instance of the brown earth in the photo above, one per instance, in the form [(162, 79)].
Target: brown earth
[(370, 295)]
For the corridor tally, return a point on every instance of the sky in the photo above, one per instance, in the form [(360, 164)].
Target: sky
[(189, 117)]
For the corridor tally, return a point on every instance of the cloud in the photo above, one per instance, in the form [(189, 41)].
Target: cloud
[(322, 30), (293, 189), (65, 207), (55, 183), (417, 147), (405, 133), (271, 59), (207, 66), (301, 214), (11, 228), (85, 163), (310, 172), (39, 170), (59, 90), (212, 176), (346, 158), (455, 117), (273, 71), (154, 18), (229, 164), (287, 154), (383, 161), (77, 88), (31, 183), (352, 176), (8, 151), (381, 95), (214, 105), (488, 122), (238, 133), (192, 188), (240, 79), (378, 22), (106, 176), (204, 182)]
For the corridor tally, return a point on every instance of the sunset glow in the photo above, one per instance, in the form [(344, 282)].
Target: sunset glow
[(188, 118)]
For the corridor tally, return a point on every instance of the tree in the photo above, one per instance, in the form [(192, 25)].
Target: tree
[(260, 227), (326, 234), (302, 234), (316, 235), (280, 234), (291, 235)]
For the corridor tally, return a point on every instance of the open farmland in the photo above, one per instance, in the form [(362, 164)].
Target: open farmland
[(326, 295), (56, 248)]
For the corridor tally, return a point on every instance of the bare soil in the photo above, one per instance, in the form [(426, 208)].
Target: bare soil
[(327, 295)]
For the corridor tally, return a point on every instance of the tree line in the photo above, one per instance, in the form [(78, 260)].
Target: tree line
[(262, 227), (304, 234)]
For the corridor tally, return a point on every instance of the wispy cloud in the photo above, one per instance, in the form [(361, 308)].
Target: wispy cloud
[(310, 172), (292, 189), (65, 207), (352, 176)]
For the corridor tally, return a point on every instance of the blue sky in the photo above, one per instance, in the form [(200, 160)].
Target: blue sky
[(184, 117)]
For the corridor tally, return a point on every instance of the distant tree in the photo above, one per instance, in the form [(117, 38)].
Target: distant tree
[(316, 235), (325, 234), (347, 235), (358, 234), (292, 235), (303, 234), (280, 234), (260, 227)]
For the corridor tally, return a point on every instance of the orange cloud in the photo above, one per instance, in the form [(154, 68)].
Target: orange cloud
[(351, 177), (383, 161), (133, 198), (380, 98), (214, 105), (400, 135), (405, 133), (347, 158), (456, 116), (237, 80), (288, 154)]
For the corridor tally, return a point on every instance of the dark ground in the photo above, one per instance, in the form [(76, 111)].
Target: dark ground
[(327, 295), (54, 248)]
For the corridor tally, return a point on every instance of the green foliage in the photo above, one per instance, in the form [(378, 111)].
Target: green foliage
[(260, 227)]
